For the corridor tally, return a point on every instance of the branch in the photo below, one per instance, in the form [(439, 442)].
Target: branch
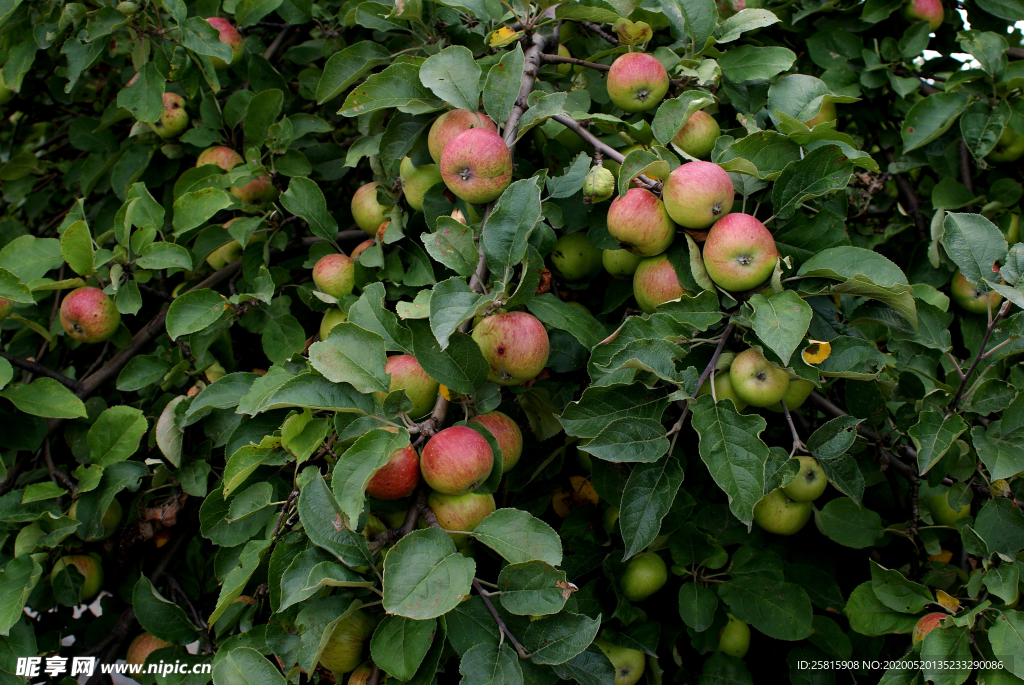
[(530, 68), (55, 473), (965, 167), (606, 150), (909, 199), (558, 59), (276, 45), (978, 357), (523, 654), (797, 442), (598, 31), (343, 236), (40, 370), (700, 381)]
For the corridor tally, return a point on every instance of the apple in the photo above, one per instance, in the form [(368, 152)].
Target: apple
[(219, 155), (580, 493), (127, 8), (942, 513), (563, 69), (924, 10), (476, 165), (228, 253), (734, 638), (230, 37), (90, 568), (460, 513), (1009, 147), (727, 8), (451, 124), (639, 222), (88, 315), (335, 275), (398, 478), (1010, 227), (655, 282), (142, 646), (756, 380), (810, 481), (723, 390), (628, 663), (6, 307), (366, 211), (344, 650), (111, 519), (796, 394), (407, 374), (362, 674), (508, 435), (610, 520), (332, 317), (214, 372), (598, 186), (637, 82), (174, 120), (778, 514), (259, 192), (360, 248), (826, 113), (574, 258), (456, 460), (927, 624), (515, 346), (620, 263), (698, 135), (645, 575), (417, 180), (697, 194), (739, 253), (972, 299)]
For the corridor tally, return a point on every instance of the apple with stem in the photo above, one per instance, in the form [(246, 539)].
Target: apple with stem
[(598, 185), (230, 37), (174, 120), (367, 212), (456, 461), (637, 82), (973, 299), (398, 478), (930, 11), (629, 664), (142, 646), (645, 575), (344, 650), (476, 165), (697, 194), (739, 253), (515, 346), (757, 381), (335, 275), (734, 638), (407, 374), (88, 315), (451, 124), (655, 282), (620, 263), (90, 568), (778, 514), (460, 513), (810, 481), (508, 435), (639, 222), (698, 135), (574, 258), (332, 317)]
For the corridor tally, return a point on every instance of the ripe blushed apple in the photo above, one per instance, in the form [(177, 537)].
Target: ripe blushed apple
[(228, 253), (451, 124), (515, 346), (972, 299), (645, 575), (756, 380), (460, 513), (778, 514), (639, 222), (367, 212), (734, 638), (6, 307), (360, 248), (398, 478), (508, 435), (332, 317), (927, 624), (90, 568), (1009, 147), (637, 82), (111, 519), (723, 390), (221, 156), (476, 165), (810, 481), (574, 258), (417, 180), (698, 135), (655, 282), (697, 194), (88, 315), (174, 120), (456, 460), (629, 664), (335, 274), (407, 374), (230, 37), (930, 11), (344, 650), (620, 263), (944, 514), (739, 252), (258, 192), (142, 646)]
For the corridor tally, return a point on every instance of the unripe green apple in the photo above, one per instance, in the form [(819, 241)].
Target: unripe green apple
[(563, 69), (366, 211), (610, 520), (927, 624), (1009, 224), (127, 8), (476, 165), (508, 435), (739, 253), (515, 346), (335, 275), (451, 124), (778, 514), (228, 253), (332, 317), (407, 374), (6, 307), (1009, 147), (698, 135), (930, 11), (417, 180), (90, 568), (88, 315), (942, 513), (734, 638), (460, 513), (174, 120), (637, 82), (574, 258), (344, 650), (456, 461), (111, 519), (620, 263), (810, 481), (723, 391), (214, 372), (639, 222), (645, 575), (826, 113), (756, 380), (599, 185), (796, 394), (628, 663), (230, 37), (362, 674), (973, 300), (397, 478), (6, 94), (655, 282), (142, 646), (697, 194)]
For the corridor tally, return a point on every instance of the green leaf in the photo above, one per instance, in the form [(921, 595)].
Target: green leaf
[(310, 572), (953, 647), (116, 435), (570, 183), (822, 171), (346, 67), (6, 373), (673, 114), (849, 524), (194, 311), (558, 638), (896, 592), (697, 604), (597, 11), (160, 617), (12, 289), (533, 588), (600, 405), (425, 576), (144, 98), (19, 577), (834, 437), (29, 258), (868, 616), (199, 36), (305, 199), (694, 18), (646, 500), (1007, 638), (543, 107), (461, 366), (164, 255), (509, 226), (778, 609), (933, 434), (490, 664), (1001, 525), (451, 303), (47, 398), (1012, 10), (322, 520), (245, 666), (629, 440), (356, 467), (454, 76), (352, 355), (452, 244), (263, 110), (504, 80), (574, 320), (399, 645), (931, 117), (981, 125), (398, 86), (975, 244), (781, 321), (141, 371), (751, 63), (193, 209), (1001, 444), (745, 20), (519, 537), (76, 248), (640, 162), (234, 583)]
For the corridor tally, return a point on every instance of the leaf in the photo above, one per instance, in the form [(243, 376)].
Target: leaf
[(236, 579), (751, 63), (561, 315), (305, 199), (778, 609), (571, 182), (558, 638), (76, 248), (1007, 638), (452, 244), (868, 616), (116, 435), (533, 588), (19, 578), (47, 398), (507, 229), (974, 244), (194, 311), (346, 67), (981, 125), (1001, 525), (12, 289), (29, 258), (357, 465), (193, 209), (144, 98), (834, 438), (933, 435), (694, 18), (504, 80), (398, 86), (451, 303), (1001, 444), (454, 76), (629, 440), (199, 36), (600, 405), (261, 112), (164, 255), (822, 171), (169, 434), (646, 500), (519, 537), (697, 604), (461, 366), (781, 321), (673, 114), (896, 592), (399, 645), (321, 519), (843, 521), (487, 664), (245, 666), (352, 355), (745, 20), (543, 108), (640, 162), (425, 576), (160, 617), (930, 117)]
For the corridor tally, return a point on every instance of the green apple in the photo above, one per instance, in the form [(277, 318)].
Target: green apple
[(734, 638), (698, 136), (723, 391), (90, 568), (599, 185), (628, 663), (620, 263), (611, 520), (563, 69), (810, 481), (575, 259), (778, 514), (332, 317), (756, 380), (796, 394), (417, 180), (826, 113), (344, 650), (645, 575), (111, 518), (1009, 147), (944, 514), (972, 299)]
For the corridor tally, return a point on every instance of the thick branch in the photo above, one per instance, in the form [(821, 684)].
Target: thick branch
[(909, 200), (530, 69), (40, 370)]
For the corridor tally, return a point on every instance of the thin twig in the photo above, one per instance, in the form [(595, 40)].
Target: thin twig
[(678, 426), (55, 473), (598, 31), (558, 59), (606, 150), (977, 358), (40, 370), (797, 442), (523, 654)]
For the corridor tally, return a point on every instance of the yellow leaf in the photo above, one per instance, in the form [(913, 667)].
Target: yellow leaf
[(817, 352), (503, 37), (948, 602)]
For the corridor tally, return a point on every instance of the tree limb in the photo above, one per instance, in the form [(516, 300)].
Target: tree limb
[(606, 150), (530, 68), (40, 370)]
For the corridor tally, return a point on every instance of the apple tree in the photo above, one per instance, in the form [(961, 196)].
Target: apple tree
[(607, 341)]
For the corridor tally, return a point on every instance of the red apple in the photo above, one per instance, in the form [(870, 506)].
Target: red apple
[(142, 646), (515, 344), (476, 165), (456, 461), (930, 11), (360, 248), (88, 315), (460, 512), (367, 212), (508, 435), (174, 120), (739, 253), (407, 374), (698, 135), (344, 650), (655, 282), (639, 222), (398, 478), (451, 124), (927, 624), (220, 155), (230, 37), (697, 194), (259, 191), (637, 82), (6, 307), (335, 274)]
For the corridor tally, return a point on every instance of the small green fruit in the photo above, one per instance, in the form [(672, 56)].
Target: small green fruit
[(778, 514), (575, 259), (734, 638), (645, 575), (598, 186), (944, 514), (810, 481)]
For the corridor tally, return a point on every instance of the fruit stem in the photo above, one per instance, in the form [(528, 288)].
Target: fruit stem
[(797, 443)]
